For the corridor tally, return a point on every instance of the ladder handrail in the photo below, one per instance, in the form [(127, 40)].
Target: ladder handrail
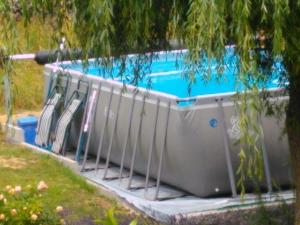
[(90, 129), (88, 106)]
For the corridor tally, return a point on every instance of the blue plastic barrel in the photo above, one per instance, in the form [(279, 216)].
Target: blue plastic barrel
[(28, 124)]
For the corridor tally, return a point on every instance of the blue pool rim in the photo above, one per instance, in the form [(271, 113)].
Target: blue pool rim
[(56, 67)]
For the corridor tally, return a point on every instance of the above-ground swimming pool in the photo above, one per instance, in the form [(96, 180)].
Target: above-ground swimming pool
[(163, 129), (167, 74)]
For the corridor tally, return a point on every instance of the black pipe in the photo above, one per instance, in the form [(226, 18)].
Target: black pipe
[(44, 57)]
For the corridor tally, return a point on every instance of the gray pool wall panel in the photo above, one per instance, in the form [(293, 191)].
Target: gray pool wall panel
[(194, 159)]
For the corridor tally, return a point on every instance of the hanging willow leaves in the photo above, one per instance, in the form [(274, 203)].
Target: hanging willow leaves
[(261, 31), (8, 33)]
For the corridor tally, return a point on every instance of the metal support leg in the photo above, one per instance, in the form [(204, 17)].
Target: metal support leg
[(266, 161), (112, 135), (227, 149), (162, 152), (136, 143), (151, 147), (127, 136), (103, 130), (87, 145)]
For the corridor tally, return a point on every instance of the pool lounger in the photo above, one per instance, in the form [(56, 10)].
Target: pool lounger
[(45, 120), (63, 124), (55, 99), (62, 131)]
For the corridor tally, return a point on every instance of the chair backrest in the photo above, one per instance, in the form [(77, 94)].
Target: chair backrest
[(59, 83), (80, 92)]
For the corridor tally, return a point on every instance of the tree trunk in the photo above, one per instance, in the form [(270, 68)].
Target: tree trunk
[(293, 121), (294, 144), (291, 59), (293, 128)]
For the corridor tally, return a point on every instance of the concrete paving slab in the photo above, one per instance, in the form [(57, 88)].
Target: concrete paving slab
[(173, 203)]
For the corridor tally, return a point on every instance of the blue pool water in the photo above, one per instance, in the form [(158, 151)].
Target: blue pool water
[(167, 73)]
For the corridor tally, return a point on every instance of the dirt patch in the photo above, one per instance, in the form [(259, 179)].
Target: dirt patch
[(103, 202), (14, 163)]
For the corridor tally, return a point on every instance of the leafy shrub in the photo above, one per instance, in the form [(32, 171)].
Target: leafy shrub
[(18, 206)]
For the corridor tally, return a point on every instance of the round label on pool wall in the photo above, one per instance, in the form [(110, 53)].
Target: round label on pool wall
[(213, 122)]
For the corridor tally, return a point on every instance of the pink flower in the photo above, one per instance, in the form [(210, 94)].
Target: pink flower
[(2, 216), (34, 217), (11, 191), (18, 189), (42, 186), (8, 187), (13, 212), (59, 209), (1, 197)]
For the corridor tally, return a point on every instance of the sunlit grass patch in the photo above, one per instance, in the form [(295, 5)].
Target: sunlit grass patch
[(65, 188), (82, 202)]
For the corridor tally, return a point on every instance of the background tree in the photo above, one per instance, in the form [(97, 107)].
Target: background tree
[(261, 30)]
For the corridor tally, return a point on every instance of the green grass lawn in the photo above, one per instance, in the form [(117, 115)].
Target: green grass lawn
[(27, 77), (21, 166), (83, 202), (28, 87)]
